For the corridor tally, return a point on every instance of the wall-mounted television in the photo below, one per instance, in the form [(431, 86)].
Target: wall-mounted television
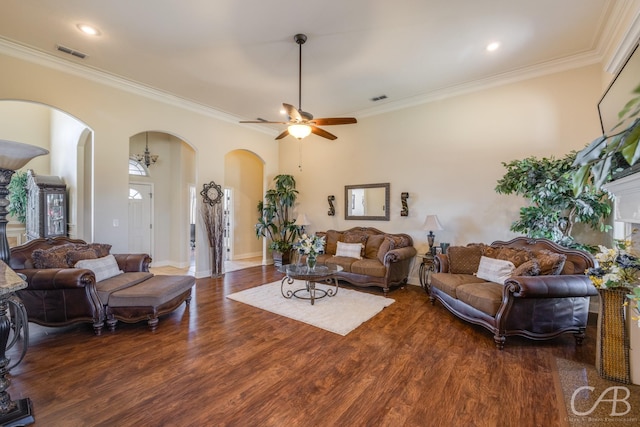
[(619, 92)]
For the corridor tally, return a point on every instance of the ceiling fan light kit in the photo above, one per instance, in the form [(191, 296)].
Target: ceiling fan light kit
[(301, 123), (299, 131)]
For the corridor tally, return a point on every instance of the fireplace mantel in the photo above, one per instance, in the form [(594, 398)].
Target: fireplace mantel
[(627, 198)]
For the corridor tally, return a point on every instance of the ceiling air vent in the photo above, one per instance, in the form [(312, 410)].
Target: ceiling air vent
[(70, 51), (379, 98)]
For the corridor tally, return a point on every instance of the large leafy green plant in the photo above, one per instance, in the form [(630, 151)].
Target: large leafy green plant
[(18, 196), (274, 221), (553, 207), (595, 161)]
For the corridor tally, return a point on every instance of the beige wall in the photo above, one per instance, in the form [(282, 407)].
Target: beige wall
[(65, 135), (447, 155), (114, 114), (29, 123)]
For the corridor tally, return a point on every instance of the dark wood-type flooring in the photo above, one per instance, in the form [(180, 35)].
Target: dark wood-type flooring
[(222, 362)]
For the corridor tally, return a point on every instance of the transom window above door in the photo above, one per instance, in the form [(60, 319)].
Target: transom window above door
[(137, 168)]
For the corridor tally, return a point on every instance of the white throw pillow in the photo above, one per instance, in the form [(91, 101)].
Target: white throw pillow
[(495, 270), (103, 268), (350, 250)]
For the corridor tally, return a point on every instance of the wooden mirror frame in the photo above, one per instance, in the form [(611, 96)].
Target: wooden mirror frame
[(386, 186)]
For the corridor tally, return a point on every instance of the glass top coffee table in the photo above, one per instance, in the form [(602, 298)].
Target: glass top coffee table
[(320, 273)]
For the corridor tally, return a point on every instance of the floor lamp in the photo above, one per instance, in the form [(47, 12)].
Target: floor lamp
[(13, 156)]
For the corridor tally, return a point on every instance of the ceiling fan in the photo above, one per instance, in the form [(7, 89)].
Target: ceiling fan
[(302, 123)]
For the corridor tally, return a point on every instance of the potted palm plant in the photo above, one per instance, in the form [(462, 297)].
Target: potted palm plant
[(274, 221)]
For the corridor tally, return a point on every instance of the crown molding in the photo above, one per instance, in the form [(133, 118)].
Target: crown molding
[(606, 42), (28, 54), (539, 70), (45, 59), (629, 40)]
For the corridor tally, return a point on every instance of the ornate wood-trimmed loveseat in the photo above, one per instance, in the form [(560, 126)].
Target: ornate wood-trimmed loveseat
[(547, 295), (385, 257)]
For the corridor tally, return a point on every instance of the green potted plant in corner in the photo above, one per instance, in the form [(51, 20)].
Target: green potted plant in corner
[(553, 207), (274, 220)]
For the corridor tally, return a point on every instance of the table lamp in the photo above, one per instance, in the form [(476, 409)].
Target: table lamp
[(302, 220), (13, 156), (431, 223)]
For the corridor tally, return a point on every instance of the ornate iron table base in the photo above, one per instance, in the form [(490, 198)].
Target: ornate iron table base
[(310, 276)]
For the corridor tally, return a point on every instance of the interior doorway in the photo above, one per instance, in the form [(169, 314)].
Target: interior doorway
[(170, 168), (243, 184)]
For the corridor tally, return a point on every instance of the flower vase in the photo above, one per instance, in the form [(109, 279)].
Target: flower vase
[(311, 261), (612, 344)]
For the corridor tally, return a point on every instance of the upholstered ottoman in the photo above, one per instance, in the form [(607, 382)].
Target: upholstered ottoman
[(154, 297)]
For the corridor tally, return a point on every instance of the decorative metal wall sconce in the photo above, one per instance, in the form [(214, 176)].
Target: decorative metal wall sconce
[(332, 210), (405, 208)]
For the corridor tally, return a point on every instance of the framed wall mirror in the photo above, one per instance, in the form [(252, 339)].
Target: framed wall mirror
[(367, 202)]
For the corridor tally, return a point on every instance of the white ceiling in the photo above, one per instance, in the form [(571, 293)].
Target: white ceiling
[(239, 56)]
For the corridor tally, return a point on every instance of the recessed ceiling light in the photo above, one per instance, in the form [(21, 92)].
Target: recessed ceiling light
[(88, 29), (493, 46)]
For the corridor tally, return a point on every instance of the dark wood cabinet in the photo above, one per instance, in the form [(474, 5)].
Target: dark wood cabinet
[(46, 206)]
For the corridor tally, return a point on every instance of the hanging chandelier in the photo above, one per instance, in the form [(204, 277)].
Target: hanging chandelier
[(147, 158)]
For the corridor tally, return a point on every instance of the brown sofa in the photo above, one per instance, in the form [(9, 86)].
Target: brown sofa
[(546, 295), (59, 294), (385, 258)]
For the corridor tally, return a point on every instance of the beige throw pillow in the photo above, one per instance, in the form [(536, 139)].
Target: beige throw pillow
[(349, 250), (495, 270), (103, 268)]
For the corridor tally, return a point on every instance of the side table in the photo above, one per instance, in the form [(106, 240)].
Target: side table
[(427, 266)]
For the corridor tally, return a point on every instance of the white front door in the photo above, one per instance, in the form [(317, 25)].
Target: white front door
[(140, 218)]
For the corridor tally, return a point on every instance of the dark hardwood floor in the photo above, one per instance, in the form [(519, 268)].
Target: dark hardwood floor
[(222, 362)]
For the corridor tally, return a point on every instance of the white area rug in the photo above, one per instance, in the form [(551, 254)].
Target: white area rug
[(340, 314)]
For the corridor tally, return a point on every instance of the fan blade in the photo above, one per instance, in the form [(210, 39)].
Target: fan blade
[(283, 134), (294, 115), (263, 121), (329, 121), (323, 133)]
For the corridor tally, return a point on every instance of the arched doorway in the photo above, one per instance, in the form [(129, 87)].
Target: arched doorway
[(243, 179), (160, 196), (62, 134)]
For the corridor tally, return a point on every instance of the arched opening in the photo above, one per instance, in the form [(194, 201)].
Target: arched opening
[(62, 134), (243, 179), (159, 220)]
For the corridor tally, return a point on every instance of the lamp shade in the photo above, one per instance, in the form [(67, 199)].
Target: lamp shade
[(302, 219), (14, 155), (431, 223), (299, 131)]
